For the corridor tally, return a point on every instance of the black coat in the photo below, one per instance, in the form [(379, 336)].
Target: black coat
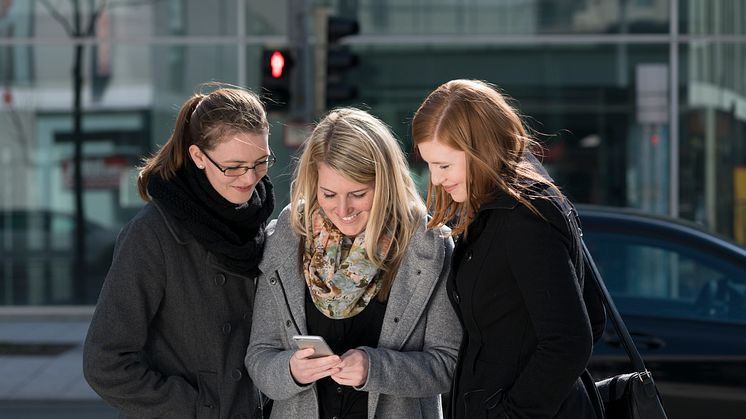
[(517, 287), (171, 326)]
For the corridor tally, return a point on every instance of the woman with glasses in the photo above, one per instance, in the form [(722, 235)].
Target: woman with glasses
[(173, 318), (351, 260)]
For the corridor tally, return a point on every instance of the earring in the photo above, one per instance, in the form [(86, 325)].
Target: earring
[(201, 167)]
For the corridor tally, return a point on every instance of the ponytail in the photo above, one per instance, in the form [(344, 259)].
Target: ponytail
[(173, 155)]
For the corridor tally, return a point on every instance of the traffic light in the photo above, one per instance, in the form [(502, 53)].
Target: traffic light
[(339, 60), (276, 67)]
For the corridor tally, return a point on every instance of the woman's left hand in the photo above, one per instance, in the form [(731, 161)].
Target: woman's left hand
[(354, 368)]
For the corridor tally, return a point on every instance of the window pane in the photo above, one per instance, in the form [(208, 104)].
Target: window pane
[(656, 278), (127, 110), (267, 17), (713, 136), (711, 17), (513, 17), (602, 146)]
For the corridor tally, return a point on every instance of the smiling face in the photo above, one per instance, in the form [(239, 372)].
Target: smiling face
[(345, 202), (236, 149), (447, 168)]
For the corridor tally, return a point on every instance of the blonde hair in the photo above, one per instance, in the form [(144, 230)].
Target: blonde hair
[(361, 148), (203, 120), (474, 117)]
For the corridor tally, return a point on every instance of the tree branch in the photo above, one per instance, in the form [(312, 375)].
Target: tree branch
[(58, 17), (94, 17)]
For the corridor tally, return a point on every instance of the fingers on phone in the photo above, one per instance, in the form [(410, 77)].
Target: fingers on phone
[(321, 363), (304, 353), (327, 361)]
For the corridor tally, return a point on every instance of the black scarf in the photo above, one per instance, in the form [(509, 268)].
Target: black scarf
[(234, 233)]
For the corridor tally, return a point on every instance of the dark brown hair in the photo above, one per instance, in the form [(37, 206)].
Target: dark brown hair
[(203, 120)]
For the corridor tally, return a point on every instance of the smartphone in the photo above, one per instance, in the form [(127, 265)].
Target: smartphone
[(316, 342)]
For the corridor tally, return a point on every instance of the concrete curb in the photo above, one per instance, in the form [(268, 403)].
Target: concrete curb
[(46, 313)]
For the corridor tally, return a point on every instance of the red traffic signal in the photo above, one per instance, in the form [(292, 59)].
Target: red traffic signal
[(277, 64)]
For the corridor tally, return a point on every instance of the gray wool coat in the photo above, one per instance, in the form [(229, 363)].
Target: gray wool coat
[(169, 333), (416, 351)]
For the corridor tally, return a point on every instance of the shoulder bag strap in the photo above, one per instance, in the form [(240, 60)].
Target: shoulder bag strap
[(619, 326)]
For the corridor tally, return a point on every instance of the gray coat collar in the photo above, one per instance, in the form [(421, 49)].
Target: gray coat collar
[(414, 283)]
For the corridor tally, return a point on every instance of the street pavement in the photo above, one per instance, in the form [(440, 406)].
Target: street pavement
[(41, 354)]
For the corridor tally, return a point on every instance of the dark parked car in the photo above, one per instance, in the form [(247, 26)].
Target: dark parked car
[(36, 257), (682, 294)]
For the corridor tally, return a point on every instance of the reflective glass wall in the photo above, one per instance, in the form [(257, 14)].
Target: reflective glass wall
[(139, 61), (638, 103)]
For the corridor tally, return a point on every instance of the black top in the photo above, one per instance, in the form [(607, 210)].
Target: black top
[(516, 286), (338, 401)]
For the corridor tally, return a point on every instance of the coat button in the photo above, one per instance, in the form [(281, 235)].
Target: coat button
[(419, 272), (339, 390), (468, 255), (226, 328), (396, 320), (456, 297), (288, 323), (220, 279), (236, 374), (273, 280)]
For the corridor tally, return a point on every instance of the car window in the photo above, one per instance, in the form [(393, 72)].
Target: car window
[(655, 277)]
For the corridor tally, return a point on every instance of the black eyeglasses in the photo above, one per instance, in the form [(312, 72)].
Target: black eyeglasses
[(260, 168)]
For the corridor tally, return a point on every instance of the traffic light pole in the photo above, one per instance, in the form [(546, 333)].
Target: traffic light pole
[(301, 106)]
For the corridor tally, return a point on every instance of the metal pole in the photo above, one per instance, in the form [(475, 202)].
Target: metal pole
[(241, 44), (301, 97), (673, 122), (80, 291)]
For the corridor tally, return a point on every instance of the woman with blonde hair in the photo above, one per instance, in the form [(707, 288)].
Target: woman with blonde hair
[(351, 260), (516, 281)]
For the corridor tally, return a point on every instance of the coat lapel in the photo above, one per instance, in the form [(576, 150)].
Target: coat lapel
[(414, 284), (283, 258)]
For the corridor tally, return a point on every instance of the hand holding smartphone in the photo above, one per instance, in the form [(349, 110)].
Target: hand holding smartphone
[(318, 343)]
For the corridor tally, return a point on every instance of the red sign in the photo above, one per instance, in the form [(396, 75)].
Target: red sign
[(98, 172)]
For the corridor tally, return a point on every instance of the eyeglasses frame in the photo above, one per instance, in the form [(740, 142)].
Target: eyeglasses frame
[(271, 159)]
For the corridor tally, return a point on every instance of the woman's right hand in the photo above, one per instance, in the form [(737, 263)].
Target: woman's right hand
[(305, 370)]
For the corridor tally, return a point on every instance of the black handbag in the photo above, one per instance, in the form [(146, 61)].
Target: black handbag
[(624, 396)]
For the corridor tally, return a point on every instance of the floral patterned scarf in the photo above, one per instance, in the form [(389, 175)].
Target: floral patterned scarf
[(340, 287)]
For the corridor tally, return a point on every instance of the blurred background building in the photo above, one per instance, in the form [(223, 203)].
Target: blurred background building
[(638, 103)]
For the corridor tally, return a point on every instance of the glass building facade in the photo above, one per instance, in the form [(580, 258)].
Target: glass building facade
[(638, 103)]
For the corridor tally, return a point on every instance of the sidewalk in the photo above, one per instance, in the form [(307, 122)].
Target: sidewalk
[(41, 353)]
